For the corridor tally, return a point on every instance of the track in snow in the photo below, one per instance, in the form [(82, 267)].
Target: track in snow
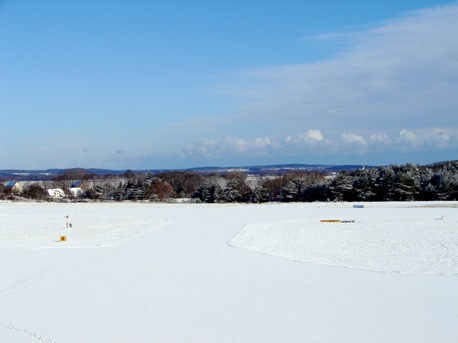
[(29, 333)]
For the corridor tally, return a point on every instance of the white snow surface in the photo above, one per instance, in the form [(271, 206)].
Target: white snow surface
[(404, 240), (140, 272)]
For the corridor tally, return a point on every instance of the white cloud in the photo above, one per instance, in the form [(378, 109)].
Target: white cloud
[(288, 140), (428, 139), (379, 138), (215, 148), (353, 138), (416, 140), (314, 142), (314, 134), (402, 72), (390, 93), (441, 138), (332, 36), (409, 140), (304, 141)]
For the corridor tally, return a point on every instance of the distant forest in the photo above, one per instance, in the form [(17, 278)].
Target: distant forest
[(407, 182)]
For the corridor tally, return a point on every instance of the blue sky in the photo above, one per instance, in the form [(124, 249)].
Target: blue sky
[(178, 84)]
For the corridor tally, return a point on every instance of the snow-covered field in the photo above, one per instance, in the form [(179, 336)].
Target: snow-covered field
[(228, 273)]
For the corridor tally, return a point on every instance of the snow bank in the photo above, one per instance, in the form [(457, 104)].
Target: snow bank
[(82, 230), (405, 240)]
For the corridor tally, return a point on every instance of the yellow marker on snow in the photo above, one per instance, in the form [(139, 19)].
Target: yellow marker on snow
[(63, 238)]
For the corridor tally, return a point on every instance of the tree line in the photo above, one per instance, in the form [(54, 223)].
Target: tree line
[(407, 182)]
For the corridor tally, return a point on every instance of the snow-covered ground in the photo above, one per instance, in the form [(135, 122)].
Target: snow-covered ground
[(228, 273)]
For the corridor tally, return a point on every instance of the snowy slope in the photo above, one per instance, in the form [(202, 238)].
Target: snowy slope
[(175, 278)]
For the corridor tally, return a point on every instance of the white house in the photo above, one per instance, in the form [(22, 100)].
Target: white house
[(56, 193), (76, 191), (16, 187)]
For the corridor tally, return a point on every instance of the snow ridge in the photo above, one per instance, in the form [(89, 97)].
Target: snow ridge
[(32, 334), (411, 243)]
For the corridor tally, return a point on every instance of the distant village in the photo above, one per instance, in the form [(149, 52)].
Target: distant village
[(408, 182)]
